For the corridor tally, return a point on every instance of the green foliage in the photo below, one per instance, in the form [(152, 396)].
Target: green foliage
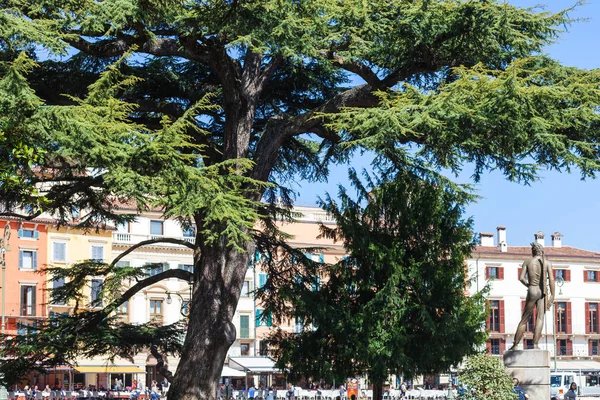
[(400, 290), (484, 378)]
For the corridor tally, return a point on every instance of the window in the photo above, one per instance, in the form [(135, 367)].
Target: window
[(593, 347), (245, 289), (187, 267), (244, 326), (590, 276), (96, 293), (156, 269), (494, 346), (564, 274), (123, 308), (28, 259), (564, 347), (28, 233), (494, 273), (28, 300), (263, 348), (156, 227), (156, 310), (495, 320), (563, 317), (528, 344), (185, 308), (189, 232), (59, 251), (124, 227), (591, 318), (122, 263), (98, 253), (263, 319), (245, 349), (58, 283)]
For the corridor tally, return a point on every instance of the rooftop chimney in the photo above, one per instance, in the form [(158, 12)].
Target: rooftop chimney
[(557, 239), (502, 239), (539, 237), (486, 239)]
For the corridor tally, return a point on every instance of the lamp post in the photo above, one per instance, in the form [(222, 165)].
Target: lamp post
[(4, 247), (559, 282)]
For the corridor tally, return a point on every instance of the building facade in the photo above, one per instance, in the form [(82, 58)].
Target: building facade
[(571, 328)]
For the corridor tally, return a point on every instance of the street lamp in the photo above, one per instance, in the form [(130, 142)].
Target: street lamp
[(559, 282), (4, 247), (169, 299)]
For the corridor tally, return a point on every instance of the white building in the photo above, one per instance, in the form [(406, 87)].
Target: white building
[(571, 328)]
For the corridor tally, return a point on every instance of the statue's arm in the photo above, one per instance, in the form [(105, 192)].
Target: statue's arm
[(522, 277)]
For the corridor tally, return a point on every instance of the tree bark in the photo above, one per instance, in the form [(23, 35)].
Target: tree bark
[(377, 391), (220, 272)]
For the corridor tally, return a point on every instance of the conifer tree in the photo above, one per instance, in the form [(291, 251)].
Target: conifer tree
[(207, 108)]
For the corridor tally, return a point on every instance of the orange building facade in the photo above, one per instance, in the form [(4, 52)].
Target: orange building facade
[(24, 289)]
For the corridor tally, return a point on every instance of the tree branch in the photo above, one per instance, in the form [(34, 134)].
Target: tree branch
[(151, 241)]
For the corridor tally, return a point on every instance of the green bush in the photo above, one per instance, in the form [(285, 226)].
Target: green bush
[(485, 379)]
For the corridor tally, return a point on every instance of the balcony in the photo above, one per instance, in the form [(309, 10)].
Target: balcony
[(134, 238)]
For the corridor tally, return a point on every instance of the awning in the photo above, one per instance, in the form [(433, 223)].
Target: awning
[(253, 364), (576, 365), (109, 369), (230, 372)]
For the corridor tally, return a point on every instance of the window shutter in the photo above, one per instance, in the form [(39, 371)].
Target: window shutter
[(487, 272), (262, 280), (519, 273), (590, 351), (20, 259), (166, 266), (269, 319), (488, 319), (258, 317), (502, 346), (33, 301), (500, 273), (488, 347), (569, 347), (567, 275), (256, 256), (36, 234), (501, 310), (569, 321), (34, 260), (587, 317), (321, 258), (585, 276)]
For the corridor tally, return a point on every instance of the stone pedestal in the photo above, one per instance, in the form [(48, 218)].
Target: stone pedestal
[(532, 369)]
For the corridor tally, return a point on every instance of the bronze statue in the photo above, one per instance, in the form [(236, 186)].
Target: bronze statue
[(534, 273)]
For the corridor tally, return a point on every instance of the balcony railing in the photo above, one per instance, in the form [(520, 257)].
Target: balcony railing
[(134, 238)]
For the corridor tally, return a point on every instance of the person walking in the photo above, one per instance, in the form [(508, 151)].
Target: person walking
[(572, 392)]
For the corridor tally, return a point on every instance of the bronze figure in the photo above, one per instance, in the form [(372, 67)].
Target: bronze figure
[(534, 273)]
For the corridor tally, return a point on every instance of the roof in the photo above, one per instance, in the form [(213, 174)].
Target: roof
[(563, 251), (253, 364)]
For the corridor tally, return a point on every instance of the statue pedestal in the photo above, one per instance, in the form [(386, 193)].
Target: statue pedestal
[(532, 369)]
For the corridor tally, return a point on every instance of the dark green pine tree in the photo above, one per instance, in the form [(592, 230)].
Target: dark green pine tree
[(397, 303), (207, 108)]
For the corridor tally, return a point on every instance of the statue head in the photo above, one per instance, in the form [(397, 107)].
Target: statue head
[(537, 249)]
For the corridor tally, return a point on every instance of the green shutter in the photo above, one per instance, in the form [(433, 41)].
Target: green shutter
[(269, 319), (20, 233), (244, 327), (36, 234), (34, 260), (257, 317)]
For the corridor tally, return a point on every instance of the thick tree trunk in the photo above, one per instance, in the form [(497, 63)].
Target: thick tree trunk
[(219, 275), (377, 391)]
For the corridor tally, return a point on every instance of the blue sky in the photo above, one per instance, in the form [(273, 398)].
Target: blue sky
[(558, 202)]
